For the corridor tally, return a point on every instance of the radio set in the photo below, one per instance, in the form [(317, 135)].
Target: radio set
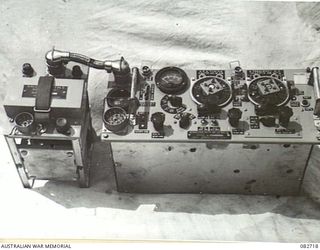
[(171, 130)]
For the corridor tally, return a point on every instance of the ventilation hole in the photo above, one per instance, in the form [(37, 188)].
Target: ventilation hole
[(286, 145), (289, 171), (268, 149), (24, 152), (70, 154), (236, 171), (251, 182), (193, 150)]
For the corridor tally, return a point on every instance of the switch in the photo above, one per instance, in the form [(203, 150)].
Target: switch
[(204, 122), (284, 116), (269, 121), (185, 121), (158, 120), (175, 101), (234, 115)]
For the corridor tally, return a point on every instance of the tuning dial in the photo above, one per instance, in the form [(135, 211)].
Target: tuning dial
[(234, 115), (158, 121), (185, 121), (284, 116), (175, 101)]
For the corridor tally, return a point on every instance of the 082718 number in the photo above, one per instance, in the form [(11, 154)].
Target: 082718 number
[(309, 245)]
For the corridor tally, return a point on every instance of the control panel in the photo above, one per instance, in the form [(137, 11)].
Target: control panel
[(231, 105)]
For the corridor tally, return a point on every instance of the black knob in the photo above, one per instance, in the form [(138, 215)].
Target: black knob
[(27, 70), (268, 121), (185, 121), (284, 116), (158, 121), (62, 125), (146, 71), (76, 72), (234, 115), (211, 104), (305, 103), (175, 101)]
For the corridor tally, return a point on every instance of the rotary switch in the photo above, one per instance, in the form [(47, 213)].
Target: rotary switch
[(284, 116), (185, 121), (175, 101), (158, 121), (234, 115)]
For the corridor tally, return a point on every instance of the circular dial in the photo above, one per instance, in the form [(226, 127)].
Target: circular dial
[(172, 80), (267, 90), (115, 119), (211, 89), (166, 105), (118, 98)]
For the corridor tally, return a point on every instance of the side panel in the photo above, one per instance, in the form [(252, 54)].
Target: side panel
[(204, 168)]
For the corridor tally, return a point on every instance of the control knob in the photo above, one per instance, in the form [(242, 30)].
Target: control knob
[(175, 101), (27, 70), (185, 121), (158, 121), (62, 125), (284, 116), (234, 115)]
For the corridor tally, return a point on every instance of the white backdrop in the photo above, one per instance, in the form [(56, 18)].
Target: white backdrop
[(189, 34)]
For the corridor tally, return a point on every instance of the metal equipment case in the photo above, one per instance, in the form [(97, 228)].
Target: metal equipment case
[(211, 153), (47, 150)]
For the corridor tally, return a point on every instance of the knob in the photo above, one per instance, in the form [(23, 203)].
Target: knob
[(284, 116), (175, 101), (76, 72), (27, 70), (62, 125), (305, 103), (146, 71), (211, 104), (234, 115), (158, 121), (269, 121), (238, 71), (185, 121)]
